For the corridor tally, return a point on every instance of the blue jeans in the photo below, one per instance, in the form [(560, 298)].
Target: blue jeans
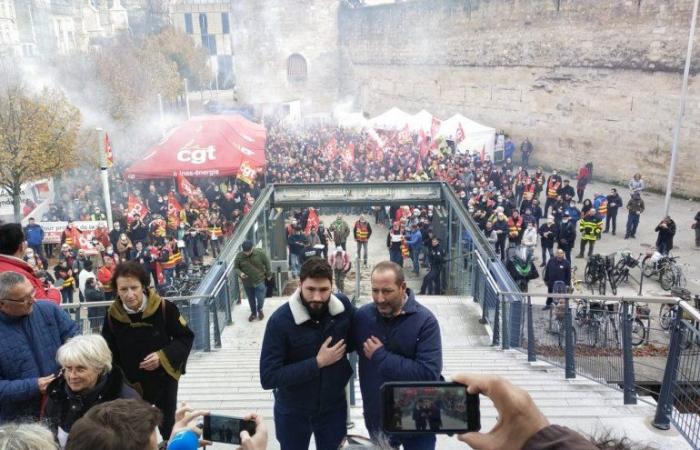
[(295, 265), (632, 224), (396, 256), (415, 253), (256, 294), (294, 430)]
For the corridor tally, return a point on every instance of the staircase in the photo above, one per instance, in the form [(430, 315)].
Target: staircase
[(226, 381)]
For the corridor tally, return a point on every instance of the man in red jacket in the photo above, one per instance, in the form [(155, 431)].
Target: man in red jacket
[(12, 247)]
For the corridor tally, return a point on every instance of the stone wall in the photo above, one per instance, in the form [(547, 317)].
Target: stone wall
[(594, 80), (266, 32)]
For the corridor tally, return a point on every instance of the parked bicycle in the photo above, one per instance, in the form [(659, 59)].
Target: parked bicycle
[(620, 272), (596, 273), (666, 268)]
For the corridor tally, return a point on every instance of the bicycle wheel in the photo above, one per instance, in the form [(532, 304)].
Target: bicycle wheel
[(580, 314), (593, 332), (639, 332), (665, 316), (648, 267), (667, 278), (679, 279), (602, 281), (589, 274), (613, 283)]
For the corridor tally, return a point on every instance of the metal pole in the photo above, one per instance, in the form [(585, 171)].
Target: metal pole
[(505, 310), (496, 324), (664, 405), (681, 110), (162, 115), (531, 356), (187, 98), (570, 362), (228, 296), (630, 396), (104, 175)]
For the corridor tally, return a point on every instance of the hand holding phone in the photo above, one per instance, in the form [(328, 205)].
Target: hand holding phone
[(227, 429), (519, 417)]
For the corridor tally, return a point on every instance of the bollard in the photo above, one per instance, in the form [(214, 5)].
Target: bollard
[(531, 357), (630, 395), (664, 405), (570, 362)]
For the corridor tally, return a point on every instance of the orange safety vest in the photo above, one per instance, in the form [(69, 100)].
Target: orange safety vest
[(514, 227), (362, 232), (529, 191), (552, 188), (172, 261), (215, 231)]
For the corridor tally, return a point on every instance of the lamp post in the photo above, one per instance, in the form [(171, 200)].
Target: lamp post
[(681, 111)]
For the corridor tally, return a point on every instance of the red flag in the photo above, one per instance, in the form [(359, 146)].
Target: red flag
[(434, 127), (136, 206), (423, 145), (185, 187), (108, 151), (331, 150), (174, 209), (349, 154), (405, 134), (483, 153), (312, 220), (247, 174), (460, 134)]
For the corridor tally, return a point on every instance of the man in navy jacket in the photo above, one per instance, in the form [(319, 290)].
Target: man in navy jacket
[(31, 332), (304, 360), (397, 339)]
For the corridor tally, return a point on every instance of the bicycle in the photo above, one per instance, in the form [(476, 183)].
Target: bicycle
[(596, 273), (665, 267), (620, 271)]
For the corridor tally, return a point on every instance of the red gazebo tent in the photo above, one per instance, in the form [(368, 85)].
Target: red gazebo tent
[(204, 146)]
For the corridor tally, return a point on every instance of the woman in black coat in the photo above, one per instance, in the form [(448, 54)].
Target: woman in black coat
[(149, 339), (87, 378)]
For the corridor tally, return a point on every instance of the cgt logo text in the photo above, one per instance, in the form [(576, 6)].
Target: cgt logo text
[(197, 155)]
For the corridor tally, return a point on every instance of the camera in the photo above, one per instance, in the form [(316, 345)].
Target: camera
[(429, 407)]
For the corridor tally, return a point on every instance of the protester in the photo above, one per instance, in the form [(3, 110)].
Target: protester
[(297, 243), (87, 378), (340, 262), (362, 231), (253, 267), (526, 149), (636, 184), (397, 339), (12, 249), (666, 229), (149, 339), (415, 245), (34, 235), (614, 203), (395, 242), (635, 208), (340, 230), (31, 333), (584, 176), (557, 269), (432, 282), (26, 436), (590, 227), (309, 379), (548, 234)]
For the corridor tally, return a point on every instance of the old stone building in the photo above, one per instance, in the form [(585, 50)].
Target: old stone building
[(585, 80)]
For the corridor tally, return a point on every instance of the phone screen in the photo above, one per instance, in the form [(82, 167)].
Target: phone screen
[(438, 407), (226, 429)]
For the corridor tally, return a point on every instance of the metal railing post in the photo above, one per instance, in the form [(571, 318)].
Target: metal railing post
[(664, 405), (496, 323), (227, 306), (505, 311), (217, 330), (630, 395), (357, 272), (570, 362), (531, 357)]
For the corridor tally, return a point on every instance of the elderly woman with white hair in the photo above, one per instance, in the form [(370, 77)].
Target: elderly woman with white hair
[(26, 436), (87, 378)]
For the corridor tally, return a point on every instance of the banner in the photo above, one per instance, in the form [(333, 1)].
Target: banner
[(185, 187), (460, 134), (89, 230), (434, 127), (247, 174), (312, 220), (108, 152), (174, 209), (136, 206)]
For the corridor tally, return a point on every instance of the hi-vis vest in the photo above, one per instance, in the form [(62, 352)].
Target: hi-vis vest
[(362, 232), (514, 227), (552, 188), (215, 231), (173, 260), (603, 208)]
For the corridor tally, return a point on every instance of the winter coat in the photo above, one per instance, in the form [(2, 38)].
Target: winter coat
[(34, 235), (159, 328), (566, 235), (340, 231), (415, 240), (339, 262), (288, 357), (665, 235), (255, 266), (11, 264), (530, 237), (590, 228), (28, 352), (548, 233), (412, 351), (64, 406), (557, 270)]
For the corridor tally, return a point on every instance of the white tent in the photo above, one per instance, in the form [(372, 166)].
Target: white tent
[(421, 121), (476, 135), (394, 119)]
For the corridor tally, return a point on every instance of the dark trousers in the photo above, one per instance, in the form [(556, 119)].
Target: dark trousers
[(567, 251), (396, 256), (580, 192), (547, 204), (256, 296), (294, 430), (164, 397), (67, 295), (611, 218), (591, 244), (632, 224), (501, 246), (431, 282), (546, 250), (424, 442)]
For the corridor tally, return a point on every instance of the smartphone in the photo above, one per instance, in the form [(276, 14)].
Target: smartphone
[(429, 407), (226, 429)]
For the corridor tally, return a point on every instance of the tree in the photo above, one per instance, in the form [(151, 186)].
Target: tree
[(38, 135), (178, 47)]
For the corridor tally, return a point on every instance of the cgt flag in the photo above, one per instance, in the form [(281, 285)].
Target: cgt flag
[(247, 174), (460, 134), (434, 128), (185, 187), (136, 206), (109, 156)]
